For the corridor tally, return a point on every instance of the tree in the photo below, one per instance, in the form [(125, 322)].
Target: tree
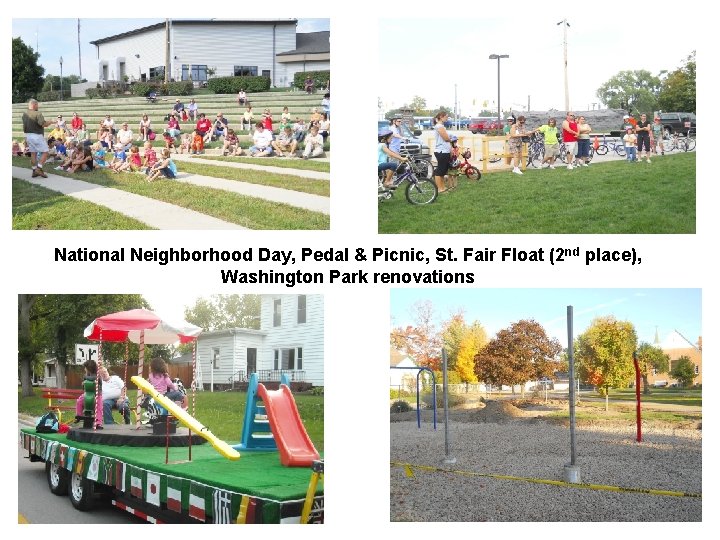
[(420, 342), (52, 82), (518, 354), (418, 104), (26, 73), (225, 311), (604, 353), (27, 350), (677, 92), (651, 358), (684, 371), (58, 320), (455, 330), (465, 361), (631, 90)]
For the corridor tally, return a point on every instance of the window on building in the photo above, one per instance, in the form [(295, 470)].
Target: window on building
[(197, 71), (157, 72), (697, 370), (288, 359), (245, 71), (299, 358), (266, 73), (277, 312), (301, 308), (276, 360), (216, 358)]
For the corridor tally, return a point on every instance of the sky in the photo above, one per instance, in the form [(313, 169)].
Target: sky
[(56, 38), (650, 310), (438, 54)]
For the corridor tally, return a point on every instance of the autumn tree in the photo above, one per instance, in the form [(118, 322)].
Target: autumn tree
[(518, 354), (420, 341), (684, 371), (604, 353), (677, 92), (465, 361), (651, 358), (631, 90), (454, 331)]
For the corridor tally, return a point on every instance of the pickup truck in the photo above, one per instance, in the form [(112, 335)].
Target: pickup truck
[(412, 145), (677, 122), (482, 124)]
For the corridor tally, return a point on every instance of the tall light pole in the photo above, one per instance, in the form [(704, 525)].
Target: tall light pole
[(498, 57), (455, 113), (567, 95), (61, 84), (79, 54)]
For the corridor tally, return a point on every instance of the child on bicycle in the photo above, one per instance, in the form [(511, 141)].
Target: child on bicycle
[(385, 165), (455, 154)]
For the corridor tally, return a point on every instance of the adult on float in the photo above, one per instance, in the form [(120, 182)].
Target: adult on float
[(442, 151)]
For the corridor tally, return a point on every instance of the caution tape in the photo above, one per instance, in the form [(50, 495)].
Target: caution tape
[(560, 483)]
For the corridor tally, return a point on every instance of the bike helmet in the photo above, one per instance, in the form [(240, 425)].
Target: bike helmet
[(384, 133), (453, 138)]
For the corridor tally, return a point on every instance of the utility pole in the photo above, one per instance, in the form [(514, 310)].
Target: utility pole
[(498, 57), (79, 55), (167, 52), (455, 114), (567, 95)]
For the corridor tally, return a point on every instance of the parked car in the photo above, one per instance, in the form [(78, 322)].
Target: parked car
[(411, 145), (677, 122), (482, 124)]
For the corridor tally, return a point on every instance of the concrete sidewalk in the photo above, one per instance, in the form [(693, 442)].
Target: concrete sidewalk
[(313, 175), (151, 212)]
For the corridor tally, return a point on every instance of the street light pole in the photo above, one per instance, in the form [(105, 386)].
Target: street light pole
[(498, 57), (567, 95), (61, 77)]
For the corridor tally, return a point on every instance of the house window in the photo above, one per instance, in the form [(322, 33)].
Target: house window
[(288, 359), (276, 361), (245, 71), (301, 309), (299, 358), (157, 72), (197, 71), (697, 370), (216, 358), (266, 73), (277, 312)]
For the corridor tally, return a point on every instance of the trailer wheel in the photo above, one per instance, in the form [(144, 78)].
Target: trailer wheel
[(81, 492), (57, 478)]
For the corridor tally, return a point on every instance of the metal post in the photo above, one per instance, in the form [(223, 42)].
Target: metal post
[(572, 472), (498, 57), (638, 412), (61, 77), (448, 458), (565, 62)]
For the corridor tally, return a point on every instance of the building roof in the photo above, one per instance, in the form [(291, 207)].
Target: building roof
[(231, 331), (675, 340), (310, 43), (182, 22)]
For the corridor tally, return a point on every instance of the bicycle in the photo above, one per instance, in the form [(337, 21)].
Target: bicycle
[(472, 172), (422, 167), (563, 153), (606, 146), (535, 149), (676, 142), (417, 191)]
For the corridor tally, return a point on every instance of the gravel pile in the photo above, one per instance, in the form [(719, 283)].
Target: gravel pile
[(667, 459)]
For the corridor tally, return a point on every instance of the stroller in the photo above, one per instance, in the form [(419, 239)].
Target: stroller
[(152, 97)]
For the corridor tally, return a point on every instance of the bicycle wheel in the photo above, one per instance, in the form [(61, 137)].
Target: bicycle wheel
[(473, 173), (591, 155), (667, 145), (601, 150), (689, 144), (563, 153), (620, 150), (423, 168), (421, 190)]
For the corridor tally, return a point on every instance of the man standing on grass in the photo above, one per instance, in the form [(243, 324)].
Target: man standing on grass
[(34, 125)]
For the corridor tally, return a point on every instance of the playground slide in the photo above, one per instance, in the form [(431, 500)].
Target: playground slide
[(295, 447), (221, 446)]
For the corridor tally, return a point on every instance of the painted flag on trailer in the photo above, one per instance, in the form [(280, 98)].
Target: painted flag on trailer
[(136, 489), (152, 494), (72, 452), (221, 506), (174, 494), (80, 464), (107, 466), (62, 459), (197, 501), (120, 475), (32, 445), (248, 506), (94, 469)]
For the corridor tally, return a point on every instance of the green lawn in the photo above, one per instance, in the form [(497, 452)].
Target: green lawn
[(221, 412), (595, 412), (612, 197), (245, 211), (300, 164), (37, 208), (658, 395)]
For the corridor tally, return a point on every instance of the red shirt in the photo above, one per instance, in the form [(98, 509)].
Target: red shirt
[(267, 122), (570, 137), (203, 125), (76, 122)]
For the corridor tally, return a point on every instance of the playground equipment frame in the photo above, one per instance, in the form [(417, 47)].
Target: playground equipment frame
[(417, 392)]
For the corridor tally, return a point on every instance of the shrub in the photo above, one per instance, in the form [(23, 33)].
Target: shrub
[(317, 391), (400, 406), (321, 78), (98, 93), (48, 96), (181, 88), (454, 400), (232, 85)]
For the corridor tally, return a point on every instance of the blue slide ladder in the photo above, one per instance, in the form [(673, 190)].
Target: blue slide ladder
[(256, 433)]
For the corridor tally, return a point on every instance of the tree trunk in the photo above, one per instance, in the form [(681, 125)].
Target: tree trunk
[(646, 386), (25, 352), (607, 400)]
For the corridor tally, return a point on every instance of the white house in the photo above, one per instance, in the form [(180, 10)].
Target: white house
[(290, 341), (403, 376), (265, 47)]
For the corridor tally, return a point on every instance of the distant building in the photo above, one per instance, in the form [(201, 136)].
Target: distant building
[(675, 345), (196, 48)]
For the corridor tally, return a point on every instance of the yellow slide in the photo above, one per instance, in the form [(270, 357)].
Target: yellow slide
[(221, 446)]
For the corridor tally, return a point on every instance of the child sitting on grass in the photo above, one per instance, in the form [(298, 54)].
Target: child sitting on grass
[(99, 155), (197, 145), (82, 160), (231, 145), (185, 141), (118, 158), (133, 162), (71, 154), (16, 150), (150, 156), (164, 167), (169, 141)]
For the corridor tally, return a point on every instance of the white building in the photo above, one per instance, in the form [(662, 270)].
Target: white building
[(264, 47), (290, 340)]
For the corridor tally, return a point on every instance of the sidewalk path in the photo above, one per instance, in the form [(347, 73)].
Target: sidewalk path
[(313, 175), (154, 213)]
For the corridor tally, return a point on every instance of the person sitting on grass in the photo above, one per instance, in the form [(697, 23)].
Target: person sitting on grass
[(313, 144), (118, 159), (60, 150), (197, 143), (99, 155), (231, 145), (185, 141), (150, 157), (247, 119), (299, 130), (164, 167), (203, 126), (70, 154), (16, 150), (82, 160), (262, 140), (220, 127), (25, 148), (57, 134), (133, 162), (169, 141), (285, 144)]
